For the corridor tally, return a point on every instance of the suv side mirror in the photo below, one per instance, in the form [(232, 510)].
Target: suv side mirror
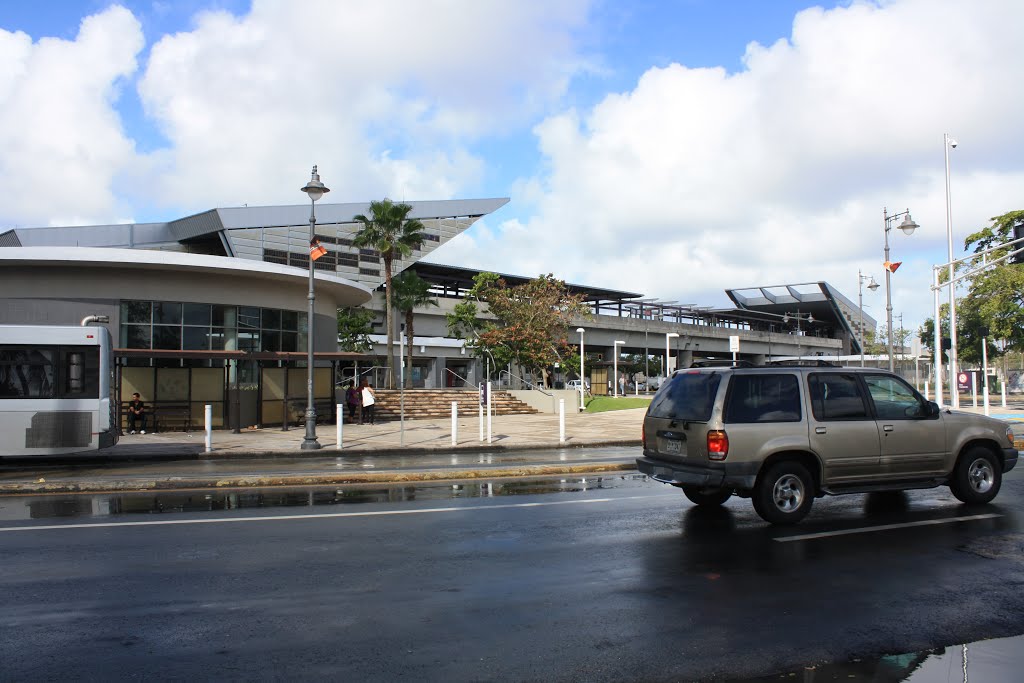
[(933, 409)]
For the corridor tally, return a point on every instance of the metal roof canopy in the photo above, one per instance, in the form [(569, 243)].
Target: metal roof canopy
[(461, 279)]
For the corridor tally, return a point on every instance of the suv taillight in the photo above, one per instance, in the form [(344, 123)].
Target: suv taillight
[(718, 445)]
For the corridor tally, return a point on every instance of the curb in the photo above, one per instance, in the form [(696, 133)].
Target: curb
[(406, 450), (390, 477)]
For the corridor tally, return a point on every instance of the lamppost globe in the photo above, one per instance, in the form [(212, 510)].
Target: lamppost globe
[(873, 285), (908, 226), (315, 189)]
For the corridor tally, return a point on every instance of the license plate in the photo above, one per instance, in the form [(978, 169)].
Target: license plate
[(673, 447)]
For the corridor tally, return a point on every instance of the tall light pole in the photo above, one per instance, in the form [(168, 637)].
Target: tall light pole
[(860, 303), (908, 226), (616, 365), (583, 380), (947, 142), (668, 335), (315, 189)]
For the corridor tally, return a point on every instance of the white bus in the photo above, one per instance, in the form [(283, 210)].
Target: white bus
[(55, 390)]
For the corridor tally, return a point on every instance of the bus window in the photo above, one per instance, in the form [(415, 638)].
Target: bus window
[(26, 373), (81, 367)]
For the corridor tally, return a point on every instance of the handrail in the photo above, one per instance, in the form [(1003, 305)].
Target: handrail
[(524, 381), (464, 380), (372, 368)]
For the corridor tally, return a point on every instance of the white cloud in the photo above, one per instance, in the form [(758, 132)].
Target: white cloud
[(699, 180), (63, 144)]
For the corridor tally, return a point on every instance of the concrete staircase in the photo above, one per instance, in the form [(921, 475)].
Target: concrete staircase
[(432, 404)]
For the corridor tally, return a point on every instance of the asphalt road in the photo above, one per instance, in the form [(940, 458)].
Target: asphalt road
[(617, 579)]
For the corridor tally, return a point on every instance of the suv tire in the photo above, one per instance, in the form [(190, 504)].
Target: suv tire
[(977, 477), (705, 496), (783, 493)]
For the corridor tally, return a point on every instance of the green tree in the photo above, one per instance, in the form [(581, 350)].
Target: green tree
[(411, 292), (995, 297), (390, 231), (526, 324), (355, 325)]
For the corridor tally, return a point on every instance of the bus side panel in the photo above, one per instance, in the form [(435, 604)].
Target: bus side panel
[(43, 428)]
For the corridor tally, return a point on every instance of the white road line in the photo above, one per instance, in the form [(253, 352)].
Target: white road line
[(325, 515), (884, 527)]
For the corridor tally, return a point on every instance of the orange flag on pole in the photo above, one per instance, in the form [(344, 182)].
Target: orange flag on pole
[(891, 267), (316, 250)]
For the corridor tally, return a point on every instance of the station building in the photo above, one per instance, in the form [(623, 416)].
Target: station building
[(212, 308)]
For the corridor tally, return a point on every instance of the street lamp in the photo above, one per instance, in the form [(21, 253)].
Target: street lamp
[(908, 226), (954, 389), (616, 365), (668, 335), (315, 189), (583, 381), (860, 302), (799, 318)]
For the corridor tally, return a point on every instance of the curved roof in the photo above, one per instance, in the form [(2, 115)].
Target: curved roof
[(345, 291)]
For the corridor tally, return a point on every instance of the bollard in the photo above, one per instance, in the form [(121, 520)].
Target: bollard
[(208, 416), (561, 420), (583, 405), (1004, 392), (984, 393), (488, 412), (481, 402), (339, 420), (974, 389), (926, 391), (455, 422)]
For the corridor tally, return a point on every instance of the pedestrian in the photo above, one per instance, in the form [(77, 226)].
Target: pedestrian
[(136, 413), (369, 400), (352, 400)]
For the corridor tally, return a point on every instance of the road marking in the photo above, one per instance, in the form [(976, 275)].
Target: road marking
[(324, 515), (884, 527)]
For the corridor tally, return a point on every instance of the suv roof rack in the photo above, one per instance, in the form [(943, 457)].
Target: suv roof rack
[(721, 363), (804, 363)]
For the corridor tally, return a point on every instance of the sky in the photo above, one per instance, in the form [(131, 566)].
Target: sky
[(672, 148)]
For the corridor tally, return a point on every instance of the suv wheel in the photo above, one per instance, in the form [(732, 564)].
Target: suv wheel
[(705, 496), (977, 476), (783, 493)]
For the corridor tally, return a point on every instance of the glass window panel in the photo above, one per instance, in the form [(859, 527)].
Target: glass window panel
[(172, 384), (136, 312), (248, 340), (271, 340), (271, 319), (219, 339), (167, 313), (137, 337), (289, 321), (166, 337), (223, 316), (290, 341), (27, 373), (303, 327), (196, 338), (197, 314), (248, 317)]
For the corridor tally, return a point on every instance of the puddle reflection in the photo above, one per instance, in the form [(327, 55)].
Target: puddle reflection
[(48, 507), (999, 659)]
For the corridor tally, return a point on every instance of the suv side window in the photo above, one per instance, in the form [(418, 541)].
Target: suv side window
[(894, 399), (763, 398), (836, 396)]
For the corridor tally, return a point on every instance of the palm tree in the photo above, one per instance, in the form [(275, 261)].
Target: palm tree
[(389, 230), (411, 291)]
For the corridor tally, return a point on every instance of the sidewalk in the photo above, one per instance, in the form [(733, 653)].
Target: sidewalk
[(521, 446)]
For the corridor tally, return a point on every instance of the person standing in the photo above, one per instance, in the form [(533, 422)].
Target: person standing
[(136, 413), (369, 400), (352, 400)]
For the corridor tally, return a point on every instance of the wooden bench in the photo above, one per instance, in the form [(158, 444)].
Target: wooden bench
[(162, 416)]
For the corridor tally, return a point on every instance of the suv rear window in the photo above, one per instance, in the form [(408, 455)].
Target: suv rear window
[(763, 398), (689, 396)]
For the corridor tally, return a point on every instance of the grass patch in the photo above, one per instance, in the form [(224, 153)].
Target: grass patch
[(601, 404)]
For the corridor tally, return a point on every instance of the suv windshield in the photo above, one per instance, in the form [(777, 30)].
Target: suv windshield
[(689, 396)]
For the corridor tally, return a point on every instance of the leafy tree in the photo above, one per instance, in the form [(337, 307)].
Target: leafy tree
[(355, 325), (527, 324), (995, 297), (411, 292), (390, 231)]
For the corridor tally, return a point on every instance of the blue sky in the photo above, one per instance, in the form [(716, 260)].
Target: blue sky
[(674, 148)]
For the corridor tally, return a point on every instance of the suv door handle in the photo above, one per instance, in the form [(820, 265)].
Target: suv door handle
[(819, 430), (886, 428)]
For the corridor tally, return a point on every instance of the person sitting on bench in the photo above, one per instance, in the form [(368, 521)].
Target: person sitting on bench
[(136, 412)]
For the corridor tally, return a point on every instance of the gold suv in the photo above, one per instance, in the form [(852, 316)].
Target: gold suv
[(784, 435)]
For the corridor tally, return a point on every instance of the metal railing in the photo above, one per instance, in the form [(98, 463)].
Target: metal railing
[(449, 372), (529, 384)]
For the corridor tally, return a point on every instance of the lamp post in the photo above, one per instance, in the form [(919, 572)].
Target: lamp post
[(583, 380), (908, 226), (860, 303), (668, 335), (615, 357), (799, 318), (954, 389), (315, 189)]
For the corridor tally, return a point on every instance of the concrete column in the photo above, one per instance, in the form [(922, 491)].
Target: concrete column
[(685, 359)]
